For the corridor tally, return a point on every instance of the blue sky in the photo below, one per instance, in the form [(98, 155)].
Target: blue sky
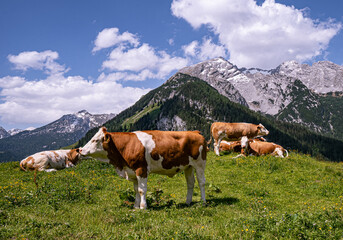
[(59, 57)]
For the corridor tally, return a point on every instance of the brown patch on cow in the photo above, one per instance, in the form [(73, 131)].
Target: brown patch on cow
[(124, 149), (232, 147), (56, 154), (27, 164), (73, 156), (176, 147), (142, 172)]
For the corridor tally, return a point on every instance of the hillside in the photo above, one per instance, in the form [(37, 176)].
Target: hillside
[(186, 102), (251, 198)]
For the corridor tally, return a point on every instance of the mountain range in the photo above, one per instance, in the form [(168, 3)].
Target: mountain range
[(189, 103), (292, 92), (60, 133)]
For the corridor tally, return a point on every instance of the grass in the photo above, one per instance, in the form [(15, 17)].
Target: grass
[(248, 198), (137, 116)]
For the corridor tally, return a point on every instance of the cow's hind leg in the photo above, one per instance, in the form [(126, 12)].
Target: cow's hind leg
[(138, 196), (200, 172), (189, 174), (217, 145), (142, 189)]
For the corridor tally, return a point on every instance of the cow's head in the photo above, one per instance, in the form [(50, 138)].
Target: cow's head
[(74, 155), (95, 144), (261, 130)]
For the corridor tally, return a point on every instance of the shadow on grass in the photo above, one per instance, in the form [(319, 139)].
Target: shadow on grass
[(221, 201), (213, 202)]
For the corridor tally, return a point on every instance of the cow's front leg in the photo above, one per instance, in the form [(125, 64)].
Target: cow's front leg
[(142, 189), (244, 145), (189, 175), (138, 196)]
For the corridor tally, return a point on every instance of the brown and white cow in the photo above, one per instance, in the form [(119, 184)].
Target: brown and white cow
[(137, 154), (259, 148), (51, 160), (235, 146), (234, 132)]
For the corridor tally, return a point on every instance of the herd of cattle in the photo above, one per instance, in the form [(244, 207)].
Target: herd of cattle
[(137, 154)]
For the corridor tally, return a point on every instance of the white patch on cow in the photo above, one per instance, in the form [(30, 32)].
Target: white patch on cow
[(148, 144), (279, 152), (227, 143), (244, 141), (94, 146)]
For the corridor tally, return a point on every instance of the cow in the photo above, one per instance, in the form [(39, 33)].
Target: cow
[(259, 148), (137, 154), (49, 161), (234, 132), (235, 146)]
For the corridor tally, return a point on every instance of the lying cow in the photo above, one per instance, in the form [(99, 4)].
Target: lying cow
[(259, 148), (51, 160), (135, 155), (234, 132), (235, 146)]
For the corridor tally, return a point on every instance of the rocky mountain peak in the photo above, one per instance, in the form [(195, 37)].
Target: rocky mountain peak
[(3, 133)]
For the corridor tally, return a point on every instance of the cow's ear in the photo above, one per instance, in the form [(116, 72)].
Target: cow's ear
[(107, 138), (104, 130)]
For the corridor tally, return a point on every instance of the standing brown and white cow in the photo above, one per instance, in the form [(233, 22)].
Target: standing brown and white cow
[(51, 160), (234, 132), (137, 154)]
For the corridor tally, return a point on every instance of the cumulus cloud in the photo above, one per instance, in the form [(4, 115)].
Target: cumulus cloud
[(45, 61), (205, 50), (111, 36), (258, 36), (141, 62), (40, 102), (11, 82)]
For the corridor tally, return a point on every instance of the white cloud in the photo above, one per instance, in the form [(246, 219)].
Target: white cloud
[(141, 62), (44, 61), (206, 50), (110, 37), (258, 36), (40, 102), (11, 82)]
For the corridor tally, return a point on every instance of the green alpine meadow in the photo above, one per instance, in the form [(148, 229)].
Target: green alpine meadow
[(299, 197)]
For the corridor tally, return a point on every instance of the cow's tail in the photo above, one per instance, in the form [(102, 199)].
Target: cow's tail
[(285, 151), (209, 141), (22, 165)]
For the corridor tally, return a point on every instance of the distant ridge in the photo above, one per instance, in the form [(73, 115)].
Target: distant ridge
[(60, 133)]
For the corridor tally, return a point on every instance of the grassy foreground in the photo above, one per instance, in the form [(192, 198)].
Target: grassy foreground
[(251, 198)]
